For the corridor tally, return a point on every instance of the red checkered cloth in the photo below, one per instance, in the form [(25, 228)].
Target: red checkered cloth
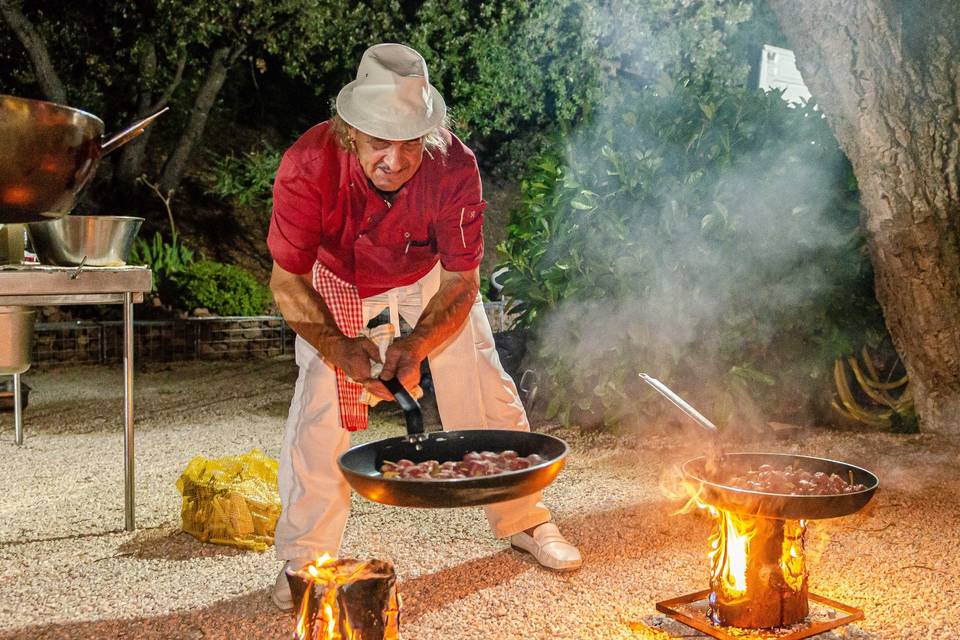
[(344, 302)]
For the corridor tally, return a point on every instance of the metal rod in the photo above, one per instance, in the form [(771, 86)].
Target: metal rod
[(679, 402), (128, 455), (17, 411)]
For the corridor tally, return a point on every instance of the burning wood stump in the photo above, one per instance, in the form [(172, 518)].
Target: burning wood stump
[(758, 574), (345, 600)]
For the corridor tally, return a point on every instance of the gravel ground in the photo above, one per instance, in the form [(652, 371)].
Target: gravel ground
[(68, 570)]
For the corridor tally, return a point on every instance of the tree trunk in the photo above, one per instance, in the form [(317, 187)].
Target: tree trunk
[(133, 154), (888, 82), (37, 50), (206, 96)]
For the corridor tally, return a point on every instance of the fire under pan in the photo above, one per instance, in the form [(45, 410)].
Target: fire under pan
[(693, 610)]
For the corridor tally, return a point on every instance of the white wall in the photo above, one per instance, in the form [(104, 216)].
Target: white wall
[(778, 70)]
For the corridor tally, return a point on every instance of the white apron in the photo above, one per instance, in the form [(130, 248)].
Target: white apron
[(473, 392)]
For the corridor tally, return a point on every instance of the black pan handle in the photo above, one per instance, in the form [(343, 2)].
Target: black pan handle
[(411, 408)]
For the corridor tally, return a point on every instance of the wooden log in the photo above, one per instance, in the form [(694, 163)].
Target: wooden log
[(346, 600), (766, 588)]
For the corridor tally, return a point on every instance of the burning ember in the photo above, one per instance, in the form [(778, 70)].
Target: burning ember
[(758, 577), (345, 600)]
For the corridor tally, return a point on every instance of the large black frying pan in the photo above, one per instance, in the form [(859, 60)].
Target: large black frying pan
[(778, 505), (360, 465), (709, 471)]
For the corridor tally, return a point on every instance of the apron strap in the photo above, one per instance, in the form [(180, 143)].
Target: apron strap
[(393, 303)]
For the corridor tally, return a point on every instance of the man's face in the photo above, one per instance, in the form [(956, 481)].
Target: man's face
[(388, 164)]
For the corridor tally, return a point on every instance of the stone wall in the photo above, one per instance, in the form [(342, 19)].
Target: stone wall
[(165, 341), (207, 338)]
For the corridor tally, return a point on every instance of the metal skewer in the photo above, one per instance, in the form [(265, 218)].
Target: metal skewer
[(680, 403), (714, 449)]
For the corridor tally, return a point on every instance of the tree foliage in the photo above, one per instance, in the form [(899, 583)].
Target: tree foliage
[(708, 236), (222, 289), (149, 41), (518, 72)]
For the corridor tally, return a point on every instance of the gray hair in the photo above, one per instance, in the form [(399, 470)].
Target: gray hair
[(433, 140)]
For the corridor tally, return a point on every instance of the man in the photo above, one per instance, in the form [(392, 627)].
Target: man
[(381, 207)]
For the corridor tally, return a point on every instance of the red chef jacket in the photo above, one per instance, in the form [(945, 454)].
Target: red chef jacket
[(324, 208)]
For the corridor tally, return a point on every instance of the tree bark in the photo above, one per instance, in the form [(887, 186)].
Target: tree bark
[(887, 77), (176, 164), (133, 154), (36, 48)]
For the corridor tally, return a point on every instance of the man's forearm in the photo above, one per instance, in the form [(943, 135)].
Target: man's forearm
[(446, 311), (303, 308)]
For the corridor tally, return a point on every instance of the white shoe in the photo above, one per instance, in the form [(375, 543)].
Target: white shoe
[(549, 547), (281, 595)]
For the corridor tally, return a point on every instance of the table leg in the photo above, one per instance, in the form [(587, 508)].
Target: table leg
[(128, 457), (17, 411)]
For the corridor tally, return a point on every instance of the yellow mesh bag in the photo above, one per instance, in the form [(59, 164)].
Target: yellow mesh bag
[(232, 500)]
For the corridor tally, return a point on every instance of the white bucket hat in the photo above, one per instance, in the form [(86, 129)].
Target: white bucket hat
[(392, 97)]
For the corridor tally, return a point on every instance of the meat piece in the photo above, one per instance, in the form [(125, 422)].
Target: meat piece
[(791, 480), (472, 465)]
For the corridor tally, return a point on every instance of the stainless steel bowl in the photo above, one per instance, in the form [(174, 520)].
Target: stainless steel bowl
[(16, 333), (97, 241)]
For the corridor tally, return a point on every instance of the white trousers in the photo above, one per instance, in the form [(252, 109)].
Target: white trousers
[(473, 392)]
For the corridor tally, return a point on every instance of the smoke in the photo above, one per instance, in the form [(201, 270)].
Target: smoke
[(720, 255)]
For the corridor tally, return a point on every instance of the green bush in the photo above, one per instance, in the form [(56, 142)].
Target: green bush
[(247, 179), (164, 258), (708, 236), (223, 289)]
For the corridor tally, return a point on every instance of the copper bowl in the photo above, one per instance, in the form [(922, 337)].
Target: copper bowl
[(48, 153), (16, 335)]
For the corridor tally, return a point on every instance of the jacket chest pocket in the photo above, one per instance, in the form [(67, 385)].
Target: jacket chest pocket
[(417, 243)]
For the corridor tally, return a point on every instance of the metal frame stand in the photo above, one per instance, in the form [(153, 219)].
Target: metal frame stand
[(691, 611), (30, 286), (128, 459), (17, 411)]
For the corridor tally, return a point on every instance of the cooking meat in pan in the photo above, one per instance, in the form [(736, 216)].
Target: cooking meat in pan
[(791, 480), (473, 464)]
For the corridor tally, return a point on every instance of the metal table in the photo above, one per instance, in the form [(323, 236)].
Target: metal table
[(36, 285)]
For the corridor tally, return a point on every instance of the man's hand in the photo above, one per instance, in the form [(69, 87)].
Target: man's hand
[(305, 311), (353, 355), (403, 360)]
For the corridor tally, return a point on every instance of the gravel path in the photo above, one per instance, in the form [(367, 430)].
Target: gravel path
[(68, 570)]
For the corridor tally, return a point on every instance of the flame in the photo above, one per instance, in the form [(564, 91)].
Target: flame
[(17, 195), (323, 575), (729, 551), (300, 632)]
